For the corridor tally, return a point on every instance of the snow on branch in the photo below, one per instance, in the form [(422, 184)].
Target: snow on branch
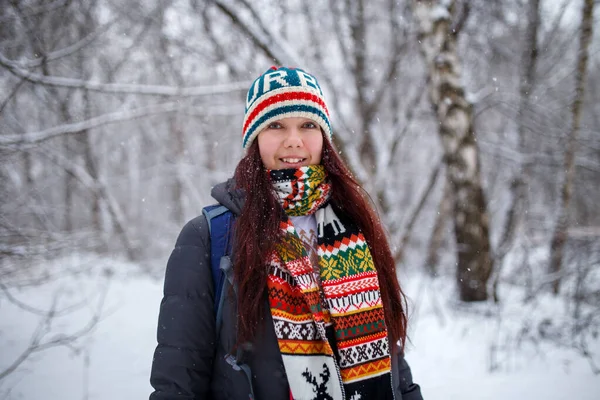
[(66, 51), (106, 119), (123, 88), (281, 51)]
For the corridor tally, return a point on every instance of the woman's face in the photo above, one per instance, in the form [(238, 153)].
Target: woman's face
[(290, 143)]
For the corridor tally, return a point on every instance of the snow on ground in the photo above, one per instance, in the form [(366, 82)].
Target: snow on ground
[(453, 350), (450, 353)]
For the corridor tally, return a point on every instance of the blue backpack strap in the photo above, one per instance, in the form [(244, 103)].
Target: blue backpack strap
[(219, 225)]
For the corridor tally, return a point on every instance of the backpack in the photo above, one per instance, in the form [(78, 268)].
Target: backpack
[(219, 220), (219, 226)]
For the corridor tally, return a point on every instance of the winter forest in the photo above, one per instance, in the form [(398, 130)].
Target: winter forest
[(474, 126)]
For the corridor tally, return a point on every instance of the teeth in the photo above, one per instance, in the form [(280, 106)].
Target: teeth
[(292, 160)]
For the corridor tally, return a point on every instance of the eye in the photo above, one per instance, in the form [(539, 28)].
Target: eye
[(274, 125), (309, 125)]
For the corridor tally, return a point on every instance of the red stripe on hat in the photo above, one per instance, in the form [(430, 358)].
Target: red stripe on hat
[(283, 97)]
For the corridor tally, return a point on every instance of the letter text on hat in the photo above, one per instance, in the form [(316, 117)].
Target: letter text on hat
[(275, 76), (252, 93), (307, 80)]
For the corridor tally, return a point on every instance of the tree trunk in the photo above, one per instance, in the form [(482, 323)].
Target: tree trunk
[(85, 145), (461, 154), (92, 168), (520, 179), (69, 189), (356, 15), (519, 186), (559, 236)]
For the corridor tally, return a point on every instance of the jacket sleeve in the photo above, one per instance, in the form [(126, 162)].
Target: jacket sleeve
[(182, 364), (408, 389)]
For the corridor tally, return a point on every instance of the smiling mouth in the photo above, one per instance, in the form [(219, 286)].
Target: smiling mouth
[(292, 160)]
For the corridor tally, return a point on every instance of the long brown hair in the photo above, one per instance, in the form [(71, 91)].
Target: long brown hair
[(257, 231)]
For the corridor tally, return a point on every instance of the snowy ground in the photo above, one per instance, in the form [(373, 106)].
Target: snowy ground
[(452, 352)]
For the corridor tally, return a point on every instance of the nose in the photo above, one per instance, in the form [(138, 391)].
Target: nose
[(293, 138)]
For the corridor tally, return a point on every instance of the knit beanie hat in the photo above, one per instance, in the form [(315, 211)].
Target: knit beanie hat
[(282, 93)]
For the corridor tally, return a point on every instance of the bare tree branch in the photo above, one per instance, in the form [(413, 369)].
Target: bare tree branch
[(153, 90), (554, 30), (31, 138), (402, 128), (336, 15), (398, 48), (257, 37), (67, 51), (37, 343), (34, 310), (99, 189), (12, 94), (417, 211), (45, 8), (462, 19)]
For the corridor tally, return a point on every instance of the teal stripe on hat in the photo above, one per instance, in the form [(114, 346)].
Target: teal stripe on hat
[(273, 114)]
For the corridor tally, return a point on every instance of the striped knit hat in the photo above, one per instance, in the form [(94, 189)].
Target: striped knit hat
[(281, 93)]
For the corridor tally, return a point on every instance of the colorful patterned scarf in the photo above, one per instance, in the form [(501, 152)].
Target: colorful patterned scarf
[(346, 316)]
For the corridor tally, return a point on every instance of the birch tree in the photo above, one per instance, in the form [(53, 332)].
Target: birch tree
[(461, 154)]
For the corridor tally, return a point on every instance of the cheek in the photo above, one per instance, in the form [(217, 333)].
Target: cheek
[(267, 147), (316, 148)]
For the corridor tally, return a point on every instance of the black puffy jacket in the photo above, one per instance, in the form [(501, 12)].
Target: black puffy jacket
[(190, 362)]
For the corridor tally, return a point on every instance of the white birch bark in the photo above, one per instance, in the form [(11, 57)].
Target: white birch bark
[(461, 154)]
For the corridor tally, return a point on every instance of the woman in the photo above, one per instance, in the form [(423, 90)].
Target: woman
[(315, 310)]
